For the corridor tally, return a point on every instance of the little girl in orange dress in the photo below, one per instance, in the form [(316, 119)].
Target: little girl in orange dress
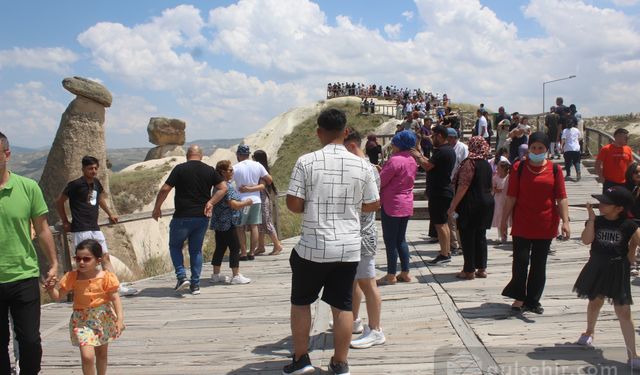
[(94, 323)]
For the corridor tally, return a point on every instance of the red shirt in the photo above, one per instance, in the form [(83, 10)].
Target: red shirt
[(615, 161), (535, 215)]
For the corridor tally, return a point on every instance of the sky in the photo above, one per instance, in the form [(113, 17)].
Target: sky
[(228, 67)]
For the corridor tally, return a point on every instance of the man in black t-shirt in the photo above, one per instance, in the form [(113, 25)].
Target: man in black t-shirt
[(193, 181), (439, 188), (86, 195)]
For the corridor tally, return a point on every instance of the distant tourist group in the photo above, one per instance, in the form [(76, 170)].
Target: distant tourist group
[(470, 187)]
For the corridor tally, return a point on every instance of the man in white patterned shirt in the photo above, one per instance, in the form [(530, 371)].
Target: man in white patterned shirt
[(330, 187)]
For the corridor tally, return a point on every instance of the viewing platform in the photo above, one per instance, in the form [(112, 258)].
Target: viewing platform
[(434, 324)]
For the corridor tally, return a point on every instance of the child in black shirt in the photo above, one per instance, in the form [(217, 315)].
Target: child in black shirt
[(613, 238)]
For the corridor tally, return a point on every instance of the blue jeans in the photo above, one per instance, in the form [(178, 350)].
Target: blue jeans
[(394, 231), (190, 229)]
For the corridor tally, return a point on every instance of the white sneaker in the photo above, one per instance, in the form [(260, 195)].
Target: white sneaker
[(218, 278), (357, 326), (239, 279), (369, 338), (127, 290)]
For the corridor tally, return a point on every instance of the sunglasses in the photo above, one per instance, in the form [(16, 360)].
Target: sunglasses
[(83, 259)]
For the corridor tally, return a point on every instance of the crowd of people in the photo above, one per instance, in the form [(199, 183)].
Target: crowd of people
[(470, 187), (339, 89)]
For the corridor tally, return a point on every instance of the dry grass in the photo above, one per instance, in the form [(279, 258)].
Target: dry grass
[(133, 190)]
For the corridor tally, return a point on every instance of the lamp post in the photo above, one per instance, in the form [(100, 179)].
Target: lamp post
[(553, 80)]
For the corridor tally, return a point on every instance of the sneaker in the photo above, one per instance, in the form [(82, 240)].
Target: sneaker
[(369, 338), (195, 289), (301, 366), (586, 340), (218, 278), (440, 260), (182, 284), (578, 176), (634, 271), (357, 327), (339, 368), (127, 291), (456, 251), (239, 279)]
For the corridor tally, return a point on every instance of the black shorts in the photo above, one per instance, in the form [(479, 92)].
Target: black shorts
[(307, 278), (438, 207)]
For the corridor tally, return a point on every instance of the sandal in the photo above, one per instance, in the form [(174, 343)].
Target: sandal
[(403, 278), (259, 251), (386, 281), (276, 251), (481, 274), (243, 258)]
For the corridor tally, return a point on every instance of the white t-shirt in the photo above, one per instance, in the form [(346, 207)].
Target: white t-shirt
[(482, 127), (334, 184), (248, 172), (462, 151), (571, 137)]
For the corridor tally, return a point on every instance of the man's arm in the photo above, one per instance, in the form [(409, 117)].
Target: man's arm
[(103, 204), (45, 239), (62, 212), (295, 204), (370, 207), (267, 178), (599, 171), (162, 195), (221, 191)]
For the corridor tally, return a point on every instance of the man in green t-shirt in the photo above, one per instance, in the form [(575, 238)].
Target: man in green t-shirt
[(21, 205)]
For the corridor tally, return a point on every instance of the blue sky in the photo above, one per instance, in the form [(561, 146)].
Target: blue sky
[(228, 67)]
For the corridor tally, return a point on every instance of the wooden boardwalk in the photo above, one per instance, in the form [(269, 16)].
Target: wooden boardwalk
[(435, 324)]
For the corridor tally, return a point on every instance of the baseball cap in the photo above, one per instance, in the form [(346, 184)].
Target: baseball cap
[(617, 196), (451, 132), (243, 150)]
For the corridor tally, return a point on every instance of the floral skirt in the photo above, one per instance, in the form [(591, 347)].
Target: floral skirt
[(94, 326)]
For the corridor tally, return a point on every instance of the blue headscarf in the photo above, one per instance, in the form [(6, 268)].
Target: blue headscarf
[(404, 140)]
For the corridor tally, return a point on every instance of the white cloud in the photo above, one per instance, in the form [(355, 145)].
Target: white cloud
[(393, 31), (462, 48), (57, 59), (30, 116), (408, 15), (625, 3)]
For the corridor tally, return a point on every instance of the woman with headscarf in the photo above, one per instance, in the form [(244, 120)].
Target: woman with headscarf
[(473, 203), (373, 149), (396, 195), (537, 200)]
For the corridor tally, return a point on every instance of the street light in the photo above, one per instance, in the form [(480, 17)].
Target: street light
[(554, 80)]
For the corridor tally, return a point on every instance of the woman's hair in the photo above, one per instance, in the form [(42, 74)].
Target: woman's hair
[(223, 165), (261, 157), (629, 175), (92, 245)]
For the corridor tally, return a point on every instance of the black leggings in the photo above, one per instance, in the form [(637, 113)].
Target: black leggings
[(224, 239), (473, 239)]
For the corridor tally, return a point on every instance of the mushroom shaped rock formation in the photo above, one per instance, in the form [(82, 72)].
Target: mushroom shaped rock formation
[(88, 89), (168, 135)]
